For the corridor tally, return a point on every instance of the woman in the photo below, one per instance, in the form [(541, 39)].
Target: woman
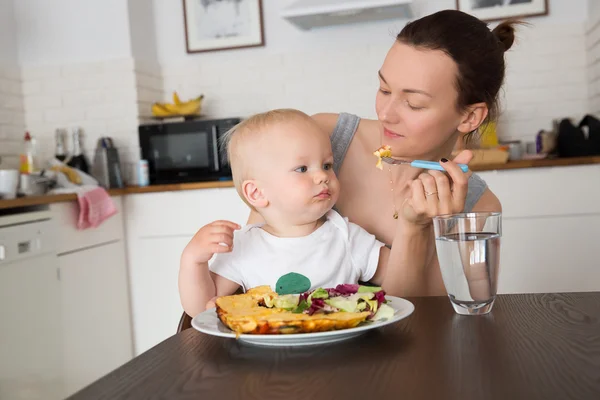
[(439, 81)]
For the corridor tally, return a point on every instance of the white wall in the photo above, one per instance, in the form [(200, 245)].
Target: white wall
[(84, 63), (8, 37), (141, 20), (593, 59), (334, 69), (144, 48), (11, 99), (77, 69), (64, 31)]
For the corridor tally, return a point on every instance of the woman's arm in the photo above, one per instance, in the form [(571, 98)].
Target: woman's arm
[(403, 270)]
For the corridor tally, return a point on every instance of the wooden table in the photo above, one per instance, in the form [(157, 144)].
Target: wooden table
[(535, 346)]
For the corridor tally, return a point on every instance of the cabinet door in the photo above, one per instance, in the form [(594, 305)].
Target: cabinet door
[(154, 290), (30, 333), (97, 327)]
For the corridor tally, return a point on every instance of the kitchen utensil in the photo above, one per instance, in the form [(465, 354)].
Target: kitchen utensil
[(34, 184), (422, 164), (9, 182), (107, 168)]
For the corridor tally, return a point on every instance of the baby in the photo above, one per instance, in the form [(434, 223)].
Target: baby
[(282, 167)]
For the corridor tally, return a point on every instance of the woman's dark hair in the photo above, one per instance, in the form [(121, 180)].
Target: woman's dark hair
[(477, 51)]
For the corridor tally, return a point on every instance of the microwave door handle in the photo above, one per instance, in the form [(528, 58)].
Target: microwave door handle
[(215, 147)]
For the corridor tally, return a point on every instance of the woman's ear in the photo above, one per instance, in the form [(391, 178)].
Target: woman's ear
[(254, 194), (473, 117)]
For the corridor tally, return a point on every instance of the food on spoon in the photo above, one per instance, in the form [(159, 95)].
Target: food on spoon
[(383, 151), (262, 311)]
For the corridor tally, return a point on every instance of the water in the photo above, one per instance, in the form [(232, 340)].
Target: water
[(469, 263)]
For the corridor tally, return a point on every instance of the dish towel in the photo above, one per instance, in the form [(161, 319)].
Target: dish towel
[(95, 207)]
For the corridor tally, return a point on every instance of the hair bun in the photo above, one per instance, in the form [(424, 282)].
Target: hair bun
[(505, 32)]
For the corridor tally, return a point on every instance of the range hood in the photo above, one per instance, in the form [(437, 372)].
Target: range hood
[(308, 14)]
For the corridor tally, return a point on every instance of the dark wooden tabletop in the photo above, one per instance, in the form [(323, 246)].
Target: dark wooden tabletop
[(535, 346)]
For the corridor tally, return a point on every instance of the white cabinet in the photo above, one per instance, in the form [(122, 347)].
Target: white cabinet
[(154, 290), (159, 226), (551, 226), (30, 312), (94, 295), (96, 317), (30, 336)]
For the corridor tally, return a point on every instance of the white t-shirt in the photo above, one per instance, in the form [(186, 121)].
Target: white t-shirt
[(337, 252)]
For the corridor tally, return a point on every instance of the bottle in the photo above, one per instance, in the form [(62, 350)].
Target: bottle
[(27, 164), (142, 173), (78, 160), (59, 152)]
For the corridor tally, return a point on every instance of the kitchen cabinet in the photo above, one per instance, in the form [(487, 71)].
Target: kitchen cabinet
[(154, 290), (96, 316), (159, 226), (31, 328), (551, 226), (94, 296)]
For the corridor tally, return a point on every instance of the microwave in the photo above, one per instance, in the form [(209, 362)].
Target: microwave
[(187, 151)]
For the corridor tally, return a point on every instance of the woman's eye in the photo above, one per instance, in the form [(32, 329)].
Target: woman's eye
[(301, 169), (383, 91), (413, 107), (327, 166)]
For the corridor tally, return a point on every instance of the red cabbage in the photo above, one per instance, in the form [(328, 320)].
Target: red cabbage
[(315, 305), (347, 288), (380, 297)]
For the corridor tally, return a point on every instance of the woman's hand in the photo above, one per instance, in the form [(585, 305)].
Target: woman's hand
[(437, 193)]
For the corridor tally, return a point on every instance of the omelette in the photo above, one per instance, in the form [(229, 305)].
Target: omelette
[(262, 311)]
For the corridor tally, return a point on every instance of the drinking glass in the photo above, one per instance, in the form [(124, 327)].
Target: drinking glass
[(468, 249)]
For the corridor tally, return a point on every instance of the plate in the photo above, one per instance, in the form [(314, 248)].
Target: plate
[(208, 322)]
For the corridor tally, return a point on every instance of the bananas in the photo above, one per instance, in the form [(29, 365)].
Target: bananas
[(177, 108), (69, 172)]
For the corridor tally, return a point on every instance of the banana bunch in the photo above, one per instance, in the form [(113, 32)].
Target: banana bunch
[(69, 172), (177, 108)]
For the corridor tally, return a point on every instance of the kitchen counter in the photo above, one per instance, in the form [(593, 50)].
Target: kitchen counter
[(48, 199), (546, 162), (57, 198)]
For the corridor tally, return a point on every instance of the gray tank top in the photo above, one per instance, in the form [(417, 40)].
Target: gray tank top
[(344, 132)]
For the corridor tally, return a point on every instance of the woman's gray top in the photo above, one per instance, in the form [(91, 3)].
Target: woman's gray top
[(344, 132)]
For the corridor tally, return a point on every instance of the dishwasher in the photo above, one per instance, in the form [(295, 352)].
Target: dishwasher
[(30, 307)]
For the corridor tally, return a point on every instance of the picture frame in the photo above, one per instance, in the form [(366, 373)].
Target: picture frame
[(213, 25), (496, 10)]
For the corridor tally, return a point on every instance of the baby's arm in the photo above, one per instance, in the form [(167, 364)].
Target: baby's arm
[(198, 285)]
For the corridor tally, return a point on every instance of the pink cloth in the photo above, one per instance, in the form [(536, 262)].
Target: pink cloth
[(95, 206)]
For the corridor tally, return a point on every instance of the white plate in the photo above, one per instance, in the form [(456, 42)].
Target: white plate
[(209, 323)]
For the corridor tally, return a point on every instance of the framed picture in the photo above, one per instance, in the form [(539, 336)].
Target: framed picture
[(495, 10), (212, 25)]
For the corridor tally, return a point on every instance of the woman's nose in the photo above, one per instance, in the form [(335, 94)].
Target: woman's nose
[(388, 112)]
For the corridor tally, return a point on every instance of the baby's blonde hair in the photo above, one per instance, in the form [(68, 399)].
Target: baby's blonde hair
[(236, 141)]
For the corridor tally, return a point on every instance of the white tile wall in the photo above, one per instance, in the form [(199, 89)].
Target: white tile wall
[(546, 79), (316, 81), (12, 116), (99, 97), (593, 60), (149, 86)]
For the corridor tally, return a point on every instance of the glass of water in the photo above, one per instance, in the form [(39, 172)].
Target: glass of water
[(468, 249)]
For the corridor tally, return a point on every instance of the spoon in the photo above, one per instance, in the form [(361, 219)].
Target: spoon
[(422, 164)]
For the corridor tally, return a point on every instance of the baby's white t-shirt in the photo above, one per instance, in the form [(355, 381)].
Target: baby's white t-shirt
[(337, 252)]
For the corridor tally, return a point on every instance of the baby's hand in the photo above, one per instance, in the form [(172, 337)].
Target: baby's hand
[(216, 237)]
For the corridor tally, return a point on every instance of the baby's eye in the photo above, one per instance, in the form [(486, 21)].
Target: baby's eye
[(327, 166), (301, 169)]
